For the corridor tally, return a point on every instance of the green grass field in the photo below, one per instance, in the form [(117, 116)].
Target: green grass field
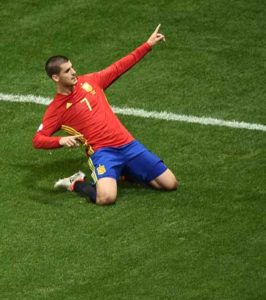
[(204, 241)]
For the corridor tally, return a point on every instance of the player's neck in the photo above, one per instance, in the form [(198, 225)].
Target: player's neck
[(64, 90)]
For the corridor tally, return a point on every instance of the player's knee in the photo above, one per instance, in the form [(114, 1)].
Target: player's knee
[(106, 199), (172, 185)]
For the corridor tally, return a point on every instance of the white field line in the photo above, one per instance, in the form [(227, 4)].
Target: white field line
[(146, 114)]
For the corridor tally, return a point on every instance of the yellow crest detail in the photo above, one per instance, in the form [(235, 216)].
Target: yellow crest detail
[(101, 169), (87, 87), (69, 104)]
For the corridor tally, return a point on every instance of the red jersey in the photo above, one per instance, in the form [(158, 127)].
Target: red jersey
[(86, 110)]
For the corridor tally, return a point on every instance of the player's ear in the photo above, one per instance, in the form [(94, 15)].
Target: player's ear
[(55, 77)]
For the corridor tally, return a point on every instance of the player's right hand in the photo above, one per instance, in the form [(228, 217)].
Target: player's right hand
[(70, 141)]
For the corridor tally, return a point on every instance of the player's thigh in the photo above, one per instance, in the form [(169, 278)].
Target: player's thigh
[(146, 166), (166, 181), (106, 190)]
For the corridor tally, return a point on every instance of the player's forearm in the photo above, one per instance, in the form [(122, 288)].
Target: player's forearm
[(45, 142), (114, 71), (131, 59)]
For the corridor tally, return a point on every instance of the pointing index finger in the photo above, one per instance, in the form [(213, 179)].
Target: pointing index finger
[(157, 28)]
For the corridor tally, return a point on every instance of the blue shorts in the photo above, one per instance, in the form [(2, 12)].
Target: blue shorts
[(132, 159)]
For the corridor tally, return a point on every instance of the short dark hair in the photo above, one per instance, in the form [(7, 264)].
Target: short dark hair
[(53, 63)]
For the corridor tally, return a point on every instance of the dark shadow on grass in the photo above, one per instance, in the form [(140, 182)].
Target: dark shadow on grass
[(36, 175)]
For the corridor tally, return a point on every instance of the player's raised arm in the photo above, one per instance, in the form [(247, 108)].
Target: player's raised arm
[(108, 75)]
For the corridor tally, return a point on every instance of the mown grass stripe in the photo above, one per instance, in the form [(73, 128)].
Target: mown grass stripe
[(147, 114)]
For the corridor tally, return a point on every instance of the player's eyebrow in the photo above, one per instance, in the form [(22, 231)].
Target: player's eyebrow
[(67, 70)]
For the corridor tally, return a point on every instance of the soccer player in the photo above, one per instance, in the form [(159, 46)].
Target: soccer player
[(81, 109)]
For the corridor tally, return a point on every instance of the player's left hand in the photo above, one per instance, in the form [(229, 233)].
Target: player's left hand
[(156, 37), (70, 141)]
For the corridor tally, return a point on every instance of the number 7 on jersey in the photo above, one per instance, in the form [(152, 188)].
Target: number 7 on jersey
[(87, 102)]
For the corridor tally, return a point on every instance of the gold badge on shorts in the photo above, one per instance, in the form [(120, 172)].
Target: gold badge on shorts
[(101, 170)]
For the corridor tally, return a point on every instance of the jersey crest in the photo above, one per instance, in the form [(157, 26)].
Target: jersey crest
[(88, 88)]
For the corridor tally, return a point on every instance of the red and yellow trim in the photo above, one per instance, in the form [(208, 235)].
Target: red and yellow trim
[(72, 131), (89, 150)]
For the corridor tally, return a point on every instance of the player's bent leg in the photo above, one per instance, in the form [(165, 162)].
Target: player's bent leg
[(165, 181), (106, 191)]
